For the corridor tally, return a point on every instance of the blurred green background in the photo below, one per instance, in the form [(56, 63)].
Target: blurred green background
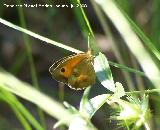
[(30, 62)]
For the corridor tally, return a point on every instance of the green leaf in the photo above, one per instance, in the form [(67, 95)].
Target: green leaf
[(94, 104), (103, 72), (84, 99), (119, 92), (59, 123), (80, 123), (71, 108)]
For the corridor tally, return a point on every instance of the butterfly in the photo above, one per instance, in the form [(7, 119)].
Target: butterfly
[(76, 70)]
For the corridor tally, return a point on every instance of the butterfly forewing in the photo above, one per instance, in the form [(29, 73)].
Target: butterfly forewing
[(76, 70)]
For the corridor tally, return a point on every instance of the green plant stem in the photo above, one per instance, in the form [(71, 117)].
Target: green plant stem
[(27, 92), (125, 68), (92, 44), (12, 99), (31, 94), (86, 20), (30, 33), (132, 40), (144, 38), (145, 91), (147, 127), (20, 117), (66, 47), (139, 80), (114, 47), (79, 17), (31, 61)]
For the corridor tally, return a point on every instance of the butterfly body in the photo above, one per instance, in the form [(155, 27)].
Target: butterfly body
[(76, 70)]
